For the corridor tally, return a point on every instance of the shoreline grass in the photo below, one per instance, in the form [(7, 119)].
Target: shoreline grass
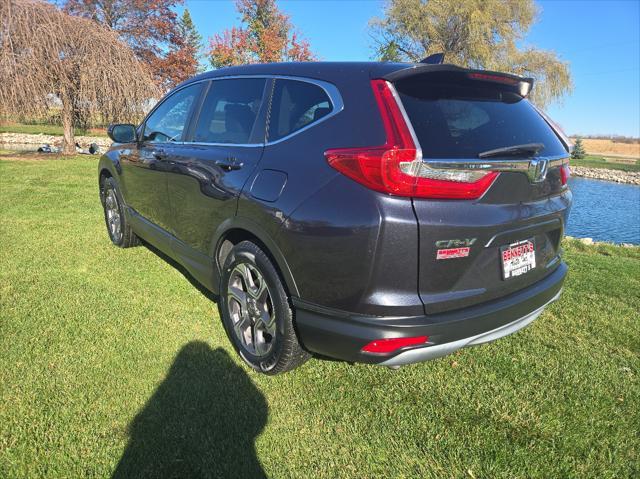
[(597, 161), (48, 129), (113, 363)]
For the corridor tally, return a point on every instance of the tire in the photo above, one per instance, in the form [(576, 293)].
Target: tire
[(260, 326), (118, 228)]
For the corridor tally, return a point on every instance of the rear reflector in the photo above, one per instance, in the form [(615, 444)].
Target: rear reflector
[(389, 345), (396, 167)]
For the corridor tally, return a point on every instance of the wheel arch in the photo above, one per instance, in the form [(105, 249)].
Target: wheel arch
[(238, 229), (107, 167), (102, 174)]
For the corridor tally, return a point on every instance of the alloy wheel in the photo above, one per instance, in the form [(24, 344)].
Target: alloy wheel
[(251, 309), (112, 211)]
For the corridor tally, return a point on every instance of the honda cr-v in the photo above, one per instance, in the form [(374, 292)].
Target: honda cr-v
[(371, 212)]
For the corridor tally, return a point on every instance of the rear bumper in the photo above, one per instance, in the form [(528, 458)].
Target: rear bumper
[(341, 335)]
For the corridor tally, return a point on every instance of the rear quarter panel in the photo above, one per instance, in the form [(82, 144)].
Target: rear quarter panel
[(338, 237)]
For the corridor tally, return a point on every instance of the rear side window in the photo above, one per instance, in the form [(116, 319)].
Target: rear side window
[(295, 105), (461, 121), (229, 111)]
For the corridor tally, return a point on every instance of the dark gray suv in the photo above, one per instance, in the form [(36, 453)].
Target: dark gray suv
[(382, 213)]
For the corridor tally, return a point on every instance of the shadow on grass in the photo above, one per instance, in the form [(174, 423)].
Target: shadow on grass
[(202, 421)]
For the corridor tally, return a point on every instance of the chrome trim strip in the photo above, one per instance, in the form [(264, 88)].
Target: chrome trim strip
[(201, 143), (334, 98), (329, 88), (407, 122), (535, 168), (432, 352)]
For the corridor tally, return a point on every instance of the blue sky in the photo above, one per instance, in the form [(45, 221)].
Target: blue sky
[(600, 40)]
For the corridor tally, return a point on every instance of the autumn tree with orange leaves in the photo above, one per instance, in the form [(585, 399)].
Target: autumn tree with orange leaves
[(54, 62), (151, 28), (267, 36)]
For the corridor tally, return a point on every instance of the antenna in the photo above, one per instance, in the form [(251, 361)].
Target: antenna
[(434, 59)]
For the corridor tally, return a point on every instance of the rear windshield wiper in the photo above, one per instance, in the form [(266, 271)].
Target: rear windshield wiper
[(529, 149)]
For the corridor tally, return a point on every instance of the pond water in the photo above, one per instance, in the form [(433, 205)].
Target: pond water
[(604, 211)]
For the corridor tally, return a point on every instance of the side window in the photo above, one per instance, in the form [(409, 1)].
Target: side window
[(169, 121), (229, 112), (295, 105)]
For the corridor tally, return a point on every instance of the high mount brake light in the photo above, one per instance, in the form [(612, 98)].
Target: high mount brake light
[(496, 78), (521, 85), (396, 167)]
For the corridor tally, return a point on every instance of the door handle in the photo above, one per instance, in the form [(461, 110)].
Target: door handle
[(230, 164), (159, 154)]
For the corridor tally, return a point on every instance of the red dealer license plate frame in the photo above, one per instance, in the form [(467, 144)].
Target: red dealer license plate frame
[(518, 258)]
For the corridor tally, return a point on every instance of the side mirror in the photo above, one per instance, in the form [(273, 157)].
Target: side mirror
[(122, 133)]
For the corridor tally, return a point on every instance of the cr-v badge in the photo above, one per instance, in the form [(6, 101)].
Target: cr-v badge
[(454, 243), (454, 248)]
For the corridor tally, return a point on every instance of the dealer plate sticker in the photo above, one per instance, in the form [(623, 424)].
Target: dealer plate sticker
[(518, 258)]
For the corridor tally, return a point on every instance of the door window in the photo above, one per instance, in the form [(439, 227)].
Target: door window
[(168, 122), (229, 112), (296, 104)]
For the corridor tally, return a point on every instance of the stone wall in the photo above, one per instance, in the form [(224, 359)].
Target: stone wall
[(629, 177), (37, 140)]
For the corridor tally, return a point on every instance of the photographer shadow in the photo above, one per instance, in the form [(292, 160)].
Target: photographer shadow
[(202, 421)]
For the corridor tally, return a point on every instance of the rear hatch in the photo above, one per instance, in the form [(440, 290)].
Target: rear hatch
[(476, 250)]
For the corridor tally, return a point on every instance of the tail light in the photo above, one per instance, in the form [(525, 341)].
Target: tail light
[(565, 174), (390, 345), (396, 168)]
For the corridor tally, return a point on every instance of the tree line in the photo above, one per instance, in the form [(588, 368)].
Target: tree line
[(101, 61)]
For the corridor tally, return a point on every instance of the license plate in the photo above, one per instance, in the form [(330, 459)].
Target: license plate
[(518, 258)]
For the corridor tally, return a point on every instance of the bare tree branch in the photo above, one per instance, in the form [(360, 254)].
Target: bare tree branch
[(49, 59)]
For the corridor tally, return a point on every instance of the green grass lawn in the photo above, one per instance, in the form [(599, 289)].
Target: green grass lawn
[(592, 161), (114, 364), (46, 129)]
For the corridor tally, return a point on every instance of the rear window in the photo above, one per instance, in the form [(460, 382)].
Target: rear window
[(461, 121), (295, 105)]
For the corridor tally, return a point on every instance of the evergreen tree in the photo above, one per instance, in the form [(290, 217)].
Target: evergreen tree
[(578, 150), (191, 39), (188, 31)]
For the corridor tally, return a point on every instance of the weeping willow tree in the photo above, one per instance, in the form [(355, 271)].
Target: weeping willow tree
[(472, 33), (51, 60)]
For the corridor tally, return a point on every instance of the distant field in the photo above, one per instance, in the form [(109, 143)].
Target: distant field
[(611, 148), (45, 129), (592, 161)]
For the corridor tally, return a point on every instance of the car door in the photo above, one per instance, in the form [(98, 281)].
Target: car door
[(144, 168), (210, 169)]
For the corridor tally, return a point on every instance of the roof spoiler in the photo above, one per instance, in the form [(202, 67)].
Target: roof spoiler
[(434, 59), (515, 83)]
